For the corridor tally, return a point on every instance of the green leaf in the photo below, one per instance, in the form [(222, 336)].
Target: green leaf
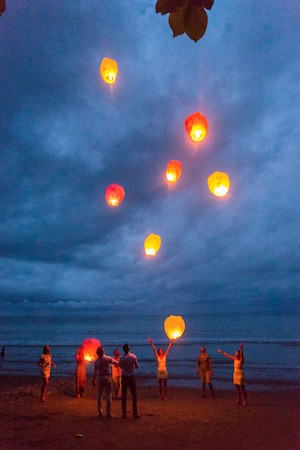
[(208, 4), (2, 7), (176, 22), (168, 6), (195, 22)]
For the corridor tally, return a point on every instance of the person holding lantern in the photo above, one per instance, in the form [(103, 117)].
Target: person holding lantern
[(238, 373), (117, 377), (103, 369), (162, 373), (45, 363), (80, 373), (204, 363)]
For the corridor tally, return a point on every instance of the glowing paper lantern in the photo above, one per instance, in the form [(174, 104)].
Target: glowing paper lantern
[(174, 327), (218, 183), (196, 126), (114, 194), (152, 244), (89, 347), (173, 172), (109, 70)]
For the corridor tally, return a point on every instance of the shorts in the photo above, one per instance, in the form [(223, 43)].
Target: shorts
[(162, 375), (205, 377)]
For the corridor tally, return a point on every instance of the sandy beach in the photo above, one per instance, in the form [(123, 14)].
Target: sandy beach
[(185, 420)]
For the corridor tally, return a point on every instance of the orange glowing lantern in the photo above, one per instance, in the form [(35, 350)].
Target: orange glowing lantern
[(109, 70), (173, 172), (196, 126), (174, 327), (152, 244), (89, 347), (218, 183), (114, 194)]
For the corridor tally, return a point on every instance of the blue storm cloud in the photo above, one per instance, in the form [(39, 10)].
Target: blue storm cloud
[(65, 135)]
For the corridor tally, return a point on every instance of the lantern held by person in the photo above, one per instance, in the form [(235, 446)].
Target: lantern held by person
[(173, 172), (174, 327), (109, 70), (218, 183), (114, 194), (89, 347), (152, 244), (196, 126)]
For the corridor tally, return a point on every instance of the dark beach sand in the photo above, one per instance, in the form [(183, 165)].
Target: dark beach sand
[(184, 421)]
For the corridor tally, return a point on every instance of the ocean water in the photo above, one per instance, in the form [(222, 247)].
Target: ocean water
[(271, 345)]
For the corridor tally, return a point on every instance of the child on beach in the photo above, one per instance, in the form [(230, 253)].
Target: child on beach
[(45, 364), (162, 373), (116, 377), (238, 373)]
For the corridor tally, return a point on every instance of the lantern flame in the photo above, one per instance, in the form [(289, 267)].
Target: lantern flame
[(198, 133), (87, 358), (176, 334), (171, 177), (150, 251)]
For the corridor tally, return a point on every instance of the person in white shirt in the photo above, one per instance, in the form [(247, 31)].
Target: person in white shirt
[(103, 370), (128, 363)]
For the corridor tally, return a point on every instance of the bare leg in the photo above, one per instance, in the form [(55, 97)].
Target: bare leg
[(165, 389), (160, 389), (211, 389), (244, 395), (238, 392), (45, 383), (203, 390)]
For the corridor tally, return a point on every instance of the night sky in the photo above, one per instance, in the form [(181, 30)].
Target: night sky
[(65, 135)]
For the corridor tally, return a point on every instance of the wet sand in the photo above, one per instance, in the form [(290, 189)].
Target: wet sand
[(185, 420)]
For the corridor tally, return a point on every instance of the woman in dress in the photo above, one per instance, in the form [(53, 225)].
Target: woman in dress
[(238, 373), (162, 374), (45, 363), (80, 373)]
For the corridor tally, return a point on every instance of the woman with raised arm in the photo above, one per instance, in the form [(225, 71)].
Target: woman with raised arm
[(162, 374), (238, 373)]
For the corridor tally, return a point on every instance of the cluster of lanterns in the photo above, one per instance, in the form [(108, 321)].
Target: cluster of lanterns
[(196, 126)]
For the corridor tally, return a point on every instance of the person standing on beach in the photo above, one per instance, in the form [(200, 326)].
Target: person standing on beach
[(238, 373), (80, 373), (128, 364), (45, 363), (2, 351), (117, 377), (103, 369), (162, 373), (205, 365)]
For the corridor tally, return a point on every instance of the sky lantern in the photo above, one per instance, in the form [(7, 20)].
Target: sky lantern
[(152, 244), (114, 194), (218, 183), (196, 126), (109, 70), (174, 327), (89, 347), (173, 172)]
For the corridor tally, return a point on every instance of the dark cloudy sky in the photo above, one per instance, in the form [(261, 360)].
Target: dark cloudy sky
[(65, 135)]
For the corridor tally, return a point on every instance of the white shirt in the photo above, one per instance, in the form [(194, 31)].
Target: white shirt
[(128, 363)]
